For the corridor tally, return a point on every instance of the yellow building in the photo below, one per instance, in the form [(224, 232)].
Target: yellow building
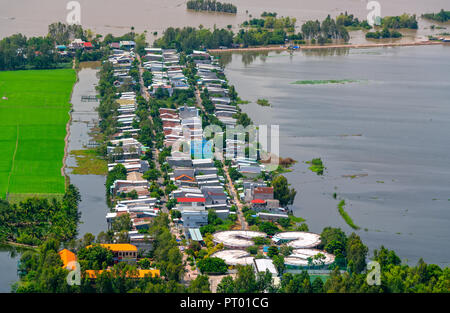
[(140, 273), (123, 252)]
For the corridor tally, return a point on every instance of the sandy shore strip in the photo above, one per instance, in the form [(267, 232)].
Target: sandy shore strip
[(313, 47)]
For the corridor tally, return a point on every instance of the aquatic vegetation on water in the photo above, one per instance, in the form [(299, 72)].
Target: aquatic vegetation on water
[(263, 102), (324, 82), (345, 215), (316, 166), (89, 162)]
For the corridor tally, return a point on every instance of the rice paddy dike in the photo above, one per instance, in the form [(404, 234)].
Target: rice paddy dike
[(34, 112)]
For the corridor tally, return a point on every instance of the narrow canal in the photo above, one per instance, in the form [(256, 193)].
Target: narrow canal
[(92, 187)]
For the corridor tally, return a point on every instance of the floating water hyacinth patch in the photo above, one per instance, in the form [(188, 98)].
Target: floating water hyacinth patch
[(324, 82)]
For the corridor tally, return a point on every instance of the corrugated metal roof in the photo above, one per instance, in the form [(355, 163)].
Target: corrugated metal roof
[(195, 234)]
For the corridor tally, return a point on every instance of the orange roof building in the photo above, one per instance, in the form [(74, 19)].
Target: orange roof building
[(140, 274), (67, 256)]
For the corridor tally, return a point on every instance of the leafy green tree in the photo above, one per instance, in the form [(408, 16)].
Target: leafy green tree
[(356, 253), (95, 257), (152, 174), (386, 257), (269, 228), (122, 223), (212, 265), (272, 251), (317, 285), (245, 281), (226, 285), (200, 285), (278, 261), (282, 192)]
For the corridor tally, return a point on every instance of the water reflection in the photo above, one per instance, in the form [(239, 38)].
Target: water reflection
[(325, 52)]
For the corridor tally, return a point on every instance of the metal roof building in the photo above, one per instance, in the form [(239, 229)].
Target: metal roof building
[(195, 234)]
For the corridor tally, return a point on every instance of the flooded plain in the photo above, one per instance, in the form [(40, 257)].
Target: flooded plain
[(383, 138), (32, 18)]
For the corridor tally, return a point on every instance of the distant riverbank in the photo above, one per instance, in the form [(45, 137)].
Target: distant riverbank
[(312, 47)]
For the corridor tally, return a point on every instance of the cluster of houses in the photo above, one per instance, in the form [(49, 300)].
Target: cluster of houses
[(125, 149), (199, 187), (167, 73), (208, 70), (253, 190), (121, 61), (76, 44)]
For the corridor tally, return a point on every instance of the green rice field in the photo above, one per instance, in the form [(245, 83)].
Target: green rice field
[(34, 111)]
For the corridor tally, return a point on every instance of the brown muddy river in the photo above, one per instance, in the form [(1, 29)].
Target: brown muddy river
[(32, 17)]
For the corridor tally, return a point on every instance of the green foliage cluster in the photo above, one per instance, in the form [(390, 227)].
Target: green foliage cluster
[(325, 31), (270, 21), (385, 33), (316, 166), (402, 21), (352, 22), (263, 102), (282, 192), (442, 16), (211, 5), (212, 265), (189, 38), (118, 172), (345, 215), (34, 220)]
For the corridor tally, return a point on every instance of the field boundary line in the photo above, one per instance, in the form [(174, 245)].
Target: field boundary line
[(13, 160)]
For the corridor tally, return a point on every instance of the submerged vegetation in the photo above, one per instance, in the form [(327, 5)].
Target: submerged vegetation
[(89, 162), (263, 102), (345, 215), (385, 33)]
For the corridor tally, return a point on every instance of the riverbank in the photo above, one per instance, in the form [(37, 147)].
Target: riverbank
[(331, 46)]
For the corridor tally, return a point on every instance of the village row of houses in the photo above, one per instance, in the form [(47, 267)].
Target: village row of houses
[(254, 190), (167, 73), (200, 188)]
